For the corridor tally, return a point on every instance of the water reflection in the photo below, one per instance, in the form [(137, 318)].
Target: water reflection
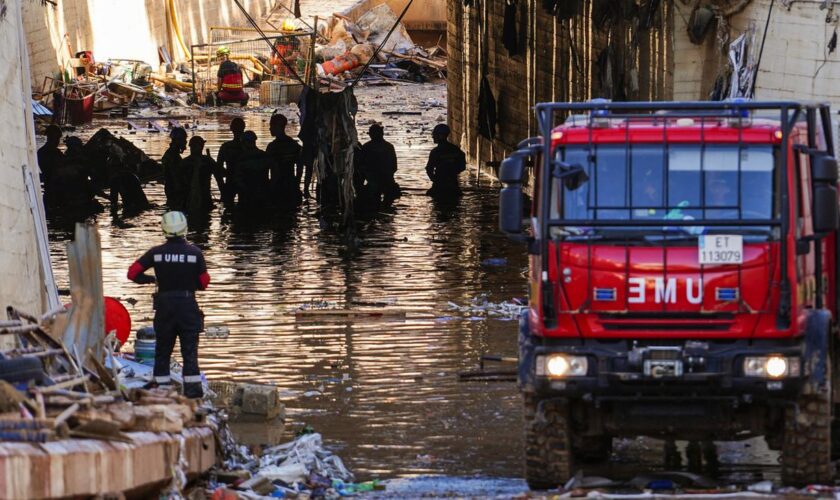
[(385, 391)]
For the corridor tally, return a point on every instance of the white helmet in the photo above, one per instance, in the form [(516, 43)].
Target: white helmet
[(174, 224)]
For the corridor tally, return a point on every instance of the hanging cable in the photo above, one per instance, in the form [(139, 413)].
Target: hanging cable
[(761, 51)]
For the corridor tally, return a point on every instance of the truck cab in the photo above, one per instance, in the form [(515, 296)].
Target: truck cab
[(683, 270)]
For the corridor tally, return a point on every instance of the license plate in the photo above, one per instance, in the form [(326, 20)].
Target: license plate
[(663, 369), (721, 249)]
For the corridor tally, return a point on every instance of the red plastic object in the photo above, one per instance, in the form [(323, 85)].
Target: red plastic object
[(79, 110), (340, 64), (117, 318)]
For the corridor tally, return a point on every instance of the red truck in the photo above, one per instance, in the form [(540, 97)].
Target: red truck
[(683, 280)]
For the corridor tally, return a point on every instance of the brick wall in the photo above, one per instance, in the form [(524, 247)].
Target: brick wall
[(129, 29), (21, 282), (558, 64), (795, 65)]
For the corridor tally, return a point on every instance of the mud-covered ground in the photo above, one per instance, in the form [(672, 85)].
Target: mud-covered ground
[(385, 394)]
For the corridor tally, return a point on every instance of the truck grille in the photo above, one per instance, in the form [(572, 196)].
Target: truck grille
[(664, 321)]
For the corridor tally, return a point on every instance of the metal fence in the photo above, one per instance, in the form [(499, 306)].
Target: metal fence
[(251, 52)]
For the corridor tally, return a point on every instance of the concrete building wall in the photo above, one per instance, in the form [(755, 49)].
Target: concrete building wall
[(126, 29), (796, 63), (558, 63), (21, 277), (425, 15)]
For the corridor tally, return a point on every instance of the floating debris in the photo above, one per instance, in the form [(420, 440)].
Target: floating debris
[(507, 310)]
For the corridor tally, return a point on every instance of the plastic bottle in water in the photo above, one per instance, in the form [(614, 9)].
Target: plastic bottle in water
[(217, 332)]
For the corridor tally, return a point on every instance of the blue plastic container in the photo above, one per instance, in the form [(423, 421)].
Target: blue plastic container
[(144, 352), (144, 346)]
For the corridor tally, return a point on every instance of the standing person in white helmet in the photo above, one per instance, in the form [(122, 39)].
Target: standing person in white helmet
[(180, 270)]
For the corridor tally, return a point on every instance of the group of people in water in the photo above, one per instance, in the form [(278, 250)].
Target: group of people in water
[(245, 175), (257, 179), (73, 179)]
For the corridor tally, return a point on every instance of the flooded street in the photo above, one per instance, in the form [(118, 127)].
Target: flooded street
[(386, 391), (385, 394)]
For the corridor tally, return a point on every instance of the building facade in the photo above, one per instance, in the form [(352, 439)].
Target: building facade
[(526, 54), (630, 50), (22, 278), (123, 29)]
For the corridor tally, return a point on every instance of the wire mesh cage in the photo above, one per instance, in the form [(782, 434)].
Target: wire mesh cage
[(258, 61)]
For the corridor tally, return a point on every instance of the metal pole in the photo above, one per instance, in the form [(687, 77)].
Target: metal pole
[(310, 77), (761, 51), (192, 62)]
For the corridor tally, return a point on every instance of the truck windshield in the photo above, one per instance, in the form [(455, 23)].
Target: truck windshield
[(673, 182)]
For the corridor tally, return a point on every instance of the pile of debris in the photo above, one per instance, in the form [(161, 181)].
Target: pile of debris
[(112, 88), (352, 43), (45, 396), (300, 468)]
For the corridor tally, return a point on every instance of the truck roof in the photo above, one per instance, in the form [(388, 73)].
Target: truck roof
[(580, 129)]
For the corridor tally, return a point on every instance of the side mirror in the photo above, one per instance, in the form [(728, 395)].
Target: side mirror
[(574, 176), (824, 169), (510, 210), (513, 168), (826, 212)]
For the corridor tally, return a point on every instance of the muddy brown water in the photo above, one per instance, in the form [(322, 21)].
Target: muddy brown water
[(385, 394)]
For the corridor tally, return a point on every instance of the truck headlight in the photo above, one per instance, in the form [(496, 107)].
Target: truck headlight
[(562, 366), (774, 367)]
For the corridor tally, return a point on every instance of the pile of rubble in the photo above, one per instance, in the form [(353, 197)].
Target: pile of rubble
[(112, 87), (351, 44), (302, 468), (337, 50), (45, 396)]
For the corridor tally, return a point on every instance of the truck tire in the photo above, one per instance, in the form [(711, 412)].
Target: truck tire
[(806, 446), (548, 457)]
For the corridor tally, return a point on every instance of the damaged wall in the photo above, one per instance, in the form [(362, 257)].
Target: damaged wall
[(558, 61), (422, 15), (21, 278), (797, 62), (129, 29)]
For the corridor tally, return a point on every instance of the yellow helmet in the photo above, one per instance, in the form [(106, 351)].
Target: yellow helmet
[(222, 51), (174, 224)]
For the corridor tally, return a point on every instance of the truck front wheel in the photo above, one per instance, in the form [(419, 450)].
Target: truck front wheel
[(548, 457), (806, 447)]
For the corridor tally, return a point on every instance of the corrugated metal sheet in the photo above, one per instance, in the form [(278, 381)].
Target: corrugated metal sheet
[(40, 110)]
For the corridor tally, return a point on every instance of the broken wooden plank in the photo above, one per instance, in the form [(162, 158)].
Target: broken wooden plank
[(63, 385), (69, 412)]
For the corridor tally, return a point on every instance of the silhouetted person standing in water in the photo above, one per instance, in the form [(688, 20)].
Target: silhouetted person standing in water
[(173, 177), (253, 174), (378, 163), (228, 160), (446, 162), (50, 158), (198, 168), (283, 154)]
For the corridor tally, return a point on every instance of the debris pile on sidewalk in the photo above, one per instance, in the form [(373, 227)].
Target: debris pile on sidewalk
[(45, 396), (302, 468)]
